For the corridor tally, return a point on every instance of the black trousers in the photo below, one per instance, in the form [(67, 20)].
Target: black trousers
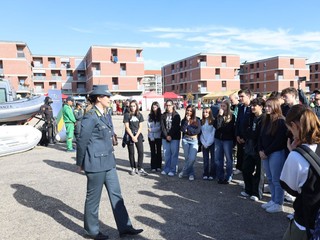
[(155, 148), (240, 156), (252, 175), (139, 146)]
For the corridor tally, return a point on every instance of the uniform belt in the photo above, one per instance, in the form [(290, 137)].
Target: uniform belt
[(69, 123), (190, 136)]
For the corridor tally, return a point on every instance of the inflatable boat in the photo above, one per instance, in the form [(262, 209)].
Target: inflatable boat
[(15, 139), (20, 110)]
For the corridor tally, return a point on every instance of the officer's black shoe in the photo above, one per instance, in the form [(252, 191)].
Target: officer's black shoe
[(130, 232)]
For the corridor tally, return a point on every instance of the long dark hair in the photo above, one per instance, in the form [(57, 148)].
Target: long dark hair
[(193, 120), (136, 113), (155, 116)]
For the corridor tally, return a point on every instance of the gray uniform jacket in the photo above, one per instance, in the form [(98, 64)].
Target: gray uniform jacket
[(95, 152)]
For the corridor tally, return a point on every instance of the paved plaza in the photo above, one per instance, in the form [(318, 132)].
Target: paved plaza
[(42, 197)]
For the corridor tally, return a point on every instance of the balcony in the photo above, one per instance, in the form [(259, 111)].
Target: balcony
[(217, 76), (69, 78), (38, 65), (41, 78), (1, 71), (82, 79), (237, 77), (21, 87), (139, 59), (224, 64), (20, 55), (202, 89), (115, 87), (280, 77), (123, 73), (81, 90), (39, 90), (56, 77), (96, 72), (202, 64), (52, 65)]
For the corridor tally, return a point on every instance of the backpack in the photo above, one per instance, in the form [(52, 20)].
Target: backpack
[(314, 160)]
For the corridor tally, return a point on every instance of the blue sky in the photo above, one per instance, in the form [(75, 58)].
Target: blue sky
[(167, 30)]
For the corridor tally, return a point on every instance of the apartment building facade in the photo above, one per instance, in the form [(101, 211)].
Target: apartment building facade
[(273, 74), (202, 74), (152, 81), (122, 68), (314, 69)]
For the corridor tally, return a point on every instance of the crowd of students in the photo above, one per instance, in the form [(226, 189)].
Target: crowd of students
[(263, 130)]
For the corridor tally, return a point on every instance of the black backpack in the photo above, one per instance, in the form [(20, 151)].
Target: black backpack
[(314, 160)]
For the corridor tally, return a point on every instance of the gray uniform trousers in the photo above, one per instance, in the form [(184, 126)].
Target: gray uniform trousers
[(95, 182)]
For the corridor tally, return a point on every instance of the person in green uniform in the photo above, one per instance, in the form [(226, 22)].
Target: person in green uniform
[(69, 121)]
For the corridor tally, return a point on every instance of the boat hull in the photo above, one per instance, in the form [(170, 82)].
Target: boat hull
[(20, 110), (15, 139)]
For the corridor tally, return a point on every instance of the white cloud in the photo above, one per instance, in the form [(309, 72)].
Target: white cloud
[(80, 30), (144, 44)]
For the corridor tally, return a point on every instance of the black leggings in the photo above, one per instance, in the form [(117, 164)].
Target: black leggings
[(139, 146), (155, 149)]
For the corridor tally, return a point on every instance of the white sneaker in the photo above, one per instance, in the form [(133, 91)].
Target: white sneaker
[(205, 178), (289, 198), (181, 175), (241, 184), (133, 171), (254, 198), (171, 174), (244, 194), (163, 173), (191, 178), (142, 172), (153, 170), (275, 208), (267, 205)]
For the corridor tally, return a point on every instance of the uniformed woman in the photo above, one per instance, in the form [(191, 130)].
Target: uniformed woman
[(95, 156)]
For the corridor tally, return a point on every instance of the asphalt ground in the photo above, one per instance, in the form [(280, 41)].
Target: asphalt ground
[(42, 197)]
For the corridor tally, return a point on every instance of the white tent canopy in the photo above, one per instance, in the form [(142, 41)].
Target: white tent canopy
[(118, 97)]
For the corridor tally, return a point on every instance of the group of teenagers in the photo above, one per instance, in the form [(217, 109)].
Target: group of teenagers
[(265, 131)]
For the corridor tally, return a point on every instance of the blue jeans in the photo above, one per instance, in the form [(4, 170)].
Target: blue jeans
[(209, 165), (190, 150), (273, 166), (171, 153), (223, 148)]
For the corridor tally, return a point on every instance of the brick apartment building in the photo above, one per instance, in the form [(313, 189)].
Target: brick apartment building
[(313, 84), (273, 74), (202, 74), (152, 81), (122, 68)]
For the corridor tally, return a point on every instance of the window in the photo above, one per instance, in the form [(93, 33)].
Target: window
[(20, 53), (115, 81), (251, 66), (316, 76), (217, 71), (258, 85), (257, 65), (258, 75), (114, 52), (138, 53), (224, 84), (296, 72), (22, 80), (316, 67), (224, 59), (291, 84)]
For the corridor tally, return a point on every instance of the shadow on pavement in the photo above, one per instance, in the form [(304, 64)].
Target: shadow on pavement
[(50, 206)]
